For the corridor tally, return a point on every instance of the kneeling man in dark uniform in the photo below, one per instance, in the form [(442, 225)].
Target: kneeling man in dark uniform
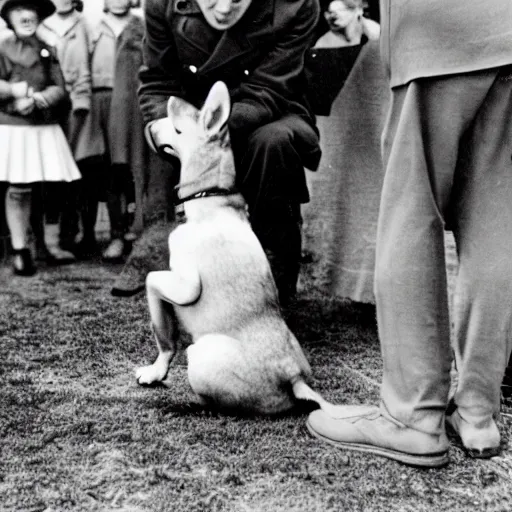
[(257, 48)]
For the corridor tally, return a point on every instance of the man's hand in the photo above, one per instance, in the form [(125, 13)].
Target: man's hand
[(19, 89), (24, 106), (40, 100)]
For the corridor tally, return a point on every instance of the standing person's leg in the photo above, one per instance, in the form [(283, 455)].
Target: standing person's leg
[(88, 199), (270, 175), (116, 205), (132, 212), (482, 228), (17, 214), (39, 217), (37, 222), (70, 205), (68, 218), (421, 148), (110, 179)]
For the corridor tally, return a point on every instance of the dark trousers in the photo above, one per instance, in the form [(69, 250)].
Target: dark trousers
[(120, 192), (270, 174)]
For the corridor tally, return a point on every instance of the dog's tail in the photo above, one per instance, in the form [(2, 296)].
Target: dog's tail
[(302, 391)]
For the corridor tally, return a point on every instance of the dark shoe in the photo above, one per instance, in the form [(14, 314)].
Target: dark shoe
[(42, 253), (366, 429), (149, 253), (480, 442), (22, 263), (119, 291), (85, 249), (132, 279)]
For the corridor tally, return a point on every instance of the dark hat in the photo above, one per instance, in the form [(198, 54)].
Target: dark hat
[(44, 8)]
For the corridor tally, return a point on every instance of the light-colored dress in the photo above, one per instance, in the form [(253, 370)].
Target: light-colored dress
[(33, 148)]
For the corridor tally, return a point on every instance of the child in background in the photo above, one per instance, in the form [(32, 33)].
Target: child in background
[(33, 100), (66, 31), (115, 126)]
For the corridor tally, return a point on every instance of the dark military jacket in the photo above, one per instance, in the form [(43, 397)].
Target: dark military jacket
[(261, 59)]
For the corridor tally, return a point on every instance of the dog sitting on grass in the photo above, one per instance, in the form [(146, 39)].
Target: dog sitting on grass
[(219, 286)]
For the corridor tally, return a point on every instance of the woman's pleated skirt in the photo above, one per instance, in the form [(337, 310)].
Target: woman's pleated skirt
[(30, 154)]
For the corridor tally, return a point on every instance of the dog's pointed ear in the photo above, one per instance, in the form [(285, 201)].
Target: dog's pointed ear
[(173, 107), (216, 109)]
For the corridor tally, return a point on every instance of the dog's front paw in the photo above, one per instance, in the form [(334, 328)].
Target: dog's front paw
[(147, 375)]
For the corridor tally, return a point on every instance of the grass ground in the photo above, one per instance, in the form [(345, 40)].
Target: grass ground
[(78, 434)]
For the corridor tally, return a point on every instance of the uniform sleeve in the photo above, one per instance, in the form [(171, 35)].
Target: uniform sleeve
[(159, 74), (265, 95)]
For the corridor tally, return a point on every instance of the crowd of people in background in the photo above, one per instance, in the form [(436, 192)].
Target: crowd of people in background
[(65, 147), (94, 58)]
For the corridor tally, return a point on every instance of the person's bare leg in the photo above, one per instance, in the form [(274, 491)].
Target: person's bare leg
[(17, 213)]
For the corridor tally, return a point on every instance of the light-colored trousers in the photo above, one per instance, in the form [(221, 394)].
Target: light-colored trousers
[(447, 149)]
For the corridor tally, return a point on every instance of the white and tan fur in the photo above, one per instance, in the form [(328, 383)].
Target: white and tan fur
[(219, 286)]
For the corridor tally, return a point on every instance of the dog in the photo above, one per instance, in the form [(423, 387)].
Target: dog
[(219, 287)]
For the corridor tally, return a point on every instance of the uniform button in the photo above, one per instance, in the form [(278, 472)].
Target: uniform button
[(193, 69)]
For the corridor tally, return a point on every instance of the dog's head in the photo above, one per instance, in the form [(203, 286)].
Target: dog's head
[(193, 128), (200, 139)]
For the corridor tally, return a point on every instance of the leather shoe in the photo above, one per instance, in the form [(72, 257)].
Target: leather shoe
[(86, 249), (479, 441), (22, 262), (366, 429)]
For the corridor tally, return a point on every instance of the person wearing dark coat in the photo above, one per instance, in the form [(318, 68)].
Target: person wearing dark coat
[(256, 48)]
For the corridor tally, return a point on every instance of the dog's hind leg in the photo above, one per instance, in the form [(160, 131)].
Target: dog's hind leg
[(161, 288), (222, 374), (216, 370)]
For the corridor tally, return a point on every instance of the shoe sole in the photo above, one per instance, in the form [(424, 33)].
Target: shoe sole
[(484, 453), (431, 460)]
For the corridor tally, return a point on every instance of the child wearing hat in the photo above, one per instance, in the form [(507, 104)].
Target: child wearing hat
[(33, 101)]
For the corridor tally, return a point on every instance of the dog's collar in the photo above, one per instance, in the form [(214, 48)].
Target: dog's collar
[(179, 210), (214, 191)]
